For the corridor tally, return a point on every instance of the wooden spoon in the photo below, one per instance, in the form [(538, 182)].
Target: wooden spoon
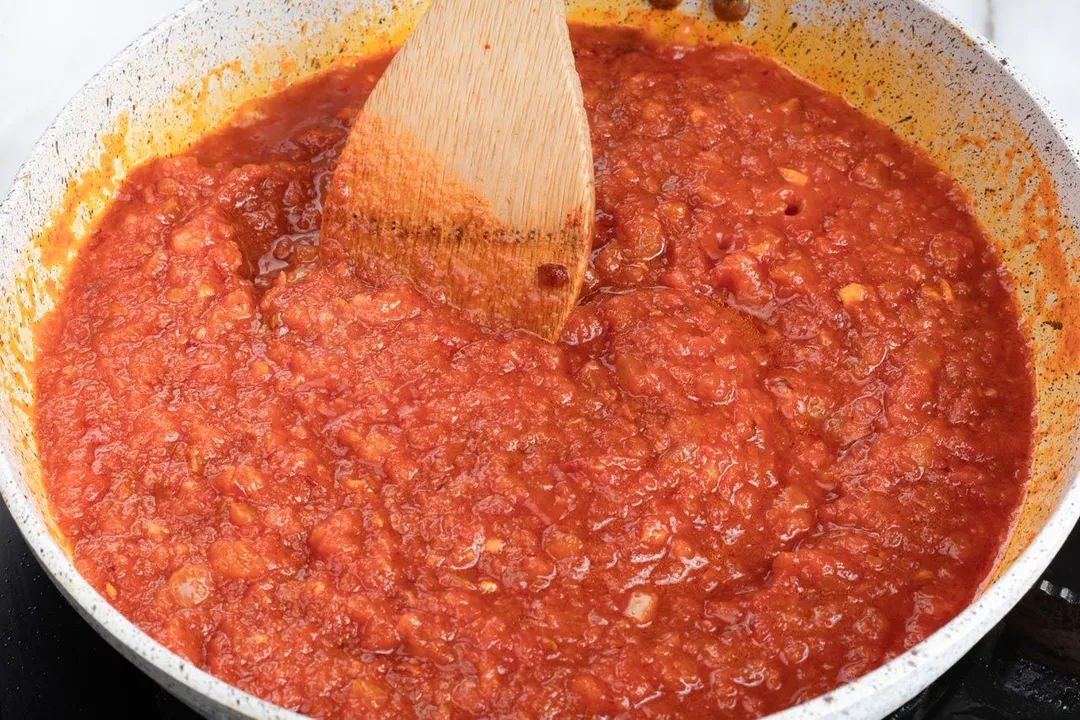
[(469, 170)]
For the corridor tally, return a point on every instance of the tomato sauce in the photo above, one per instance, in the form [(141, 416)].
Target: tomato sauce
[(780, 442)]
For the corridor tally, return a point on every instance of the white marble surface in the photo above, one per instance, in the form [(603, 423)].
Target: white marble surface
[(49, 48), (1039, 36)]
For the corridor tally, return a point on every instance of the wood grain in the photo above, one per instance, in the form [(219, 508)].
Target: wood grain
[(469, 169)]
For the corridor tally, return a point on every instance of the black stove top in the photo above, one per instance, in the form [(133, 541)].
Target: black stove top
[(1026, 667), (53, 665)]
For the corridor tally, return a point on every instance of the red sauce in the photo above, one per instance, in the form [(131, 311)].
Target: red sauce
[(780, 442)]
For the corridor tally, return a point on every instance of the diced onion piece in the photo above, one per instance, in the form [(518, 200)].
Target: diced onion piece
[(641, 607), (852, 294), (794, 176), (946, 290)]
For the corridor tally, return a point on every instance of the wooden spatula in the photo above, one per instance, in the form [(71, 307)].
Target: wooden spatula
[(469, 170)]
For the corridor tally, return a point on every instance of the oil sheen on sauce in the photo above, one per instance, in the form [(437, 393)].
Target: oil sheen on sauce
[(780, 441)]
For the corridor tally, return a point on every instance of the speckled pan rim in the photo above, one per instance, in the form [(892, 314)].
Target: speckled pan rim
[(889, 686), (873, 695), (106, 619)]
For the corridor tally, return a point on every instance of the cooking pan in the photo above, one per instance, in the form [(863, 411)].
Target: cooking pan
[(903, 62)]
